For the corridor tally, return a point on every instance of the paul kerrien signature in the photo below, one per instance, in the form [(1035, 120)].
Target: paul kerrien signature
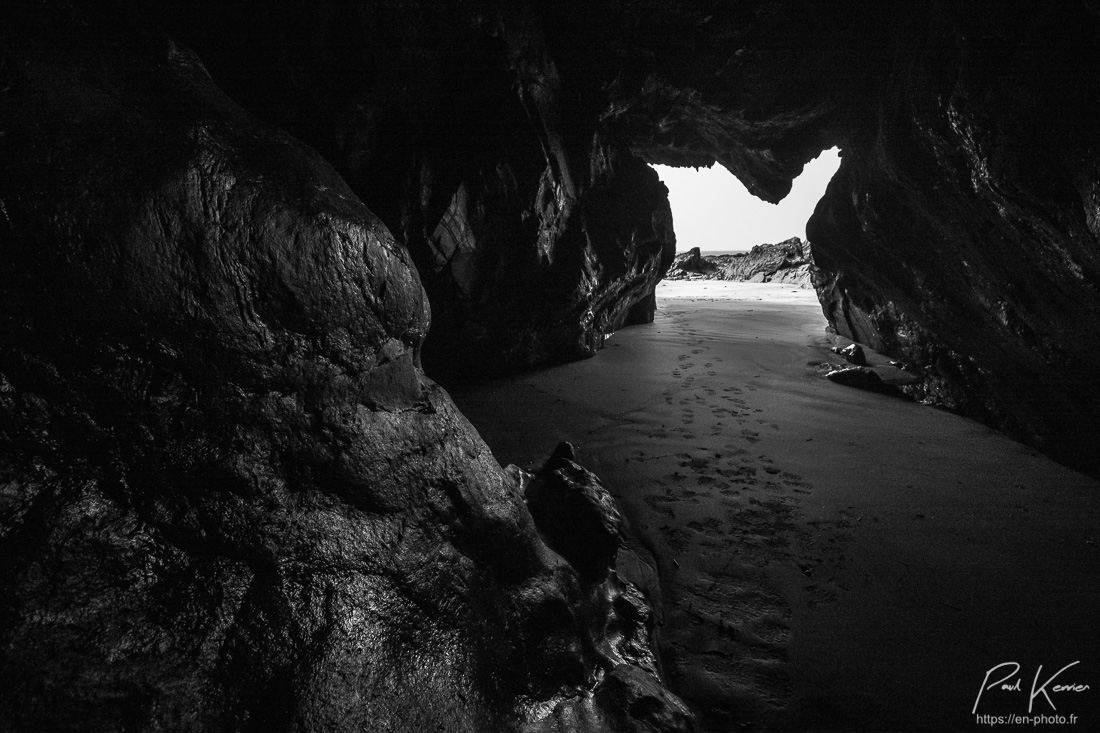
[(1011, 683)]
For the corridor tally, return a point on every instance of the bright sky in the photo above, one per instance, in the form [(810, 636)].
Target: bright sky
[(712, 210)]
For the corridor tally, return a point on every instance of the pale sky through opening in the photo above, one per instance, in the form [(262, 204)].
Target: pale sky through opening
[(712, 210)]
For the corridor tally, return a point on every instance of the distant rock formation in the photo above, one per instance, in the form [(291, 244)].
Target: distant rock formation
[(788, 261)]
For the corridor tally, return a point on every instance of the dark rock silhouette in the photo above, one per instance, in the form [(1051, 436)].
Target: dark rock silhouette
[(503, 146), (575, 513), (232, 500), (535, 230)]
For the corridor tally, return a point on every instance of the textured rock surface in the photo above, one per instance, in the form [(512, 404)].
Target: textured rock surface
[(502, 145), (229, 498), (535, 230), (960, 233), (575, 513), (788, 261)]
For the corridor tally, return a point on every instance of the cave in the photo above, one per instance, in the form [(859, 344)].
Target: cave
[(244, 243)]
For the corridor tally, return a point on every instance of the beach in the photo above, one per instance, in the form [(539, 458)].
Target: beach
[(820, 557)]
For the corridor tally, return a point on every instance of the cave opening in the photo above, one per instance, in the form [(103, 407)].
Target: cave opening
[(712, 209)]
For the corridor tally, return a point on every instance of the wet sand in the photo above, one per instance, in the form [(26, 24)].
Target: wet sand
[(823, 558)]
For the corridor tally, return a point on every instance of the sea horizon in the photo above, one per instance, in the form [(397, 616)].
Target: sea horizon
[(714, 251)]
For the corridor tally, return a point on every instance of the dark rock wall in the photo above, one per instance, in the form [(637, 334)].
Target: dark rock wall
[(229, 498), (535, 231), (503, 145), (960, 233)]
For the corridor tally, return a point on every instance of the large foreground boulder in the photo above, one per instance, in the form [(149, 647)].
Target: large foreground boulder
[(229, 498), (475, 136)]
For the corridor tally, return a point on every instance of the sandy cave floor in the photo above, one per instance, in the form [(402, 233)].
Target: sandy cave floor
[(823, 558)]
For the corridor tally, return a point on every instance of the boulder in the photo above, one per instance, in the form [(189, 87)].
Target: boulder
[(862, 377), (575, 514), (853, 354), (229, 497), (646, 706)]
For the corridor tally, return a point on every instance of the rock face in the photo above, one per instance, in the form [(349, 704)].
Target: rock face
[(575, 513), (503, 145), (535, 231), (788, 261), (229, 498), (961, 231)]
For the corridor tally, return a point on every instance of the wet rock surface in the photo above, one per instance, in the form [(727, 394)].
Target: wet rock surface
[(504, 147), (470, 132), (959, 234), (786, 262), (575, 513), (230, 498)]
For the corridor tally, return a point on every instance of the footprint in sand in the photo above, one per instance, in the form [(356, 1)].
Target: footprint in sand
[(695, 464), (711, 526)]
